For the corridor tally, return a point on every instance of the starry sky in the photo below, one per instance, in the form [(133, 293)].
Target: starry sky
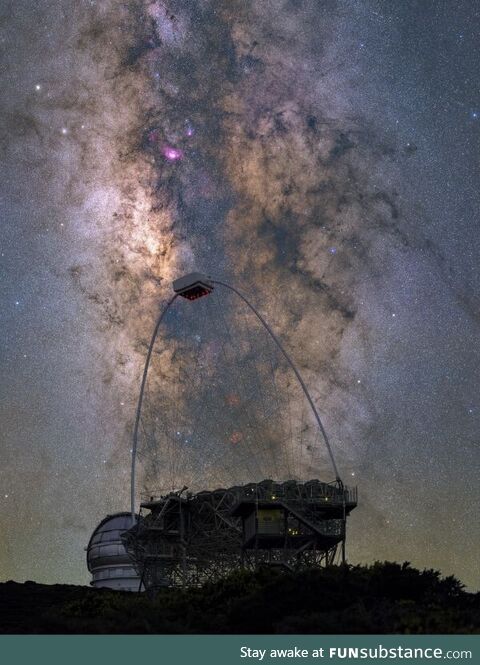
[(322, 155)]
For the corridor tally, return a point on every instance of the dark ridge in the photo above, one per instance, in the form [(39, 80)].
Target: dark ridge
[(385, 598)]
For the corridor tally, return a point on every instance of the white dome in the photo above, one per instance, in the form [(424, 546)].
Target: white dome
[(107, 558)]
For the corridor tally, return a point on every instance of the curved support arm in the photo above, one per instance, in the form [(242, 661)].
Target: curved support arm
[(297, 374), (139, 405)]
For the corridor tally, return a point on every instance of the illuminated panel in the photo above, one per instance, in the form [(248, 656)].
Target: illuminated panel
[(195, 292), (193, 286)]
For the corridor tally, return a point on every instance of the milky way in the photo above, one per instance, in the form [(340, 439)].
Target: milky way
[(303, 151)]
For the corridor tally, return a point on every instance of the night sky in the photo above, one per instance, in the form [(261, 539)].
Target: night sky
[(320, 155)]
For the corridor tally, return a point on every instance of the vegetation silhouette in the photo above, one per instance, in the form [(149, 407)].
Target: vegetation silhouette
[(381, 598)]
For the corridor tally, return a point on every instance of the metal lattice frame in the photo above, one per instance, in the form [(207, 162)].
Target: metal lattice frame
[(186, 540), (189, 539)]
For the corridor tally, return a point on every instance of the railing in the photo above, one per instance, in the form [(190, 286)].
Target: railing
[(269, 490), (311, 490)]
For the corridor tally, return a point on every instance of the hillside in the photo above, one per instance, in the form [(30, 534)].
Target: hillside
[(383, 598)]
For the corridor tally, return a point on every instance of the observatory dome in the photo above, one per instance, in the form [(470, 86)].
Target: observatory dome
[(107, 559)]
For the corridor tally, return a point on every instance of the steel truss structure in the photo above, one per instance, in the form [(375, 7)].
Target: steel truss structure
[(184, 539)]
